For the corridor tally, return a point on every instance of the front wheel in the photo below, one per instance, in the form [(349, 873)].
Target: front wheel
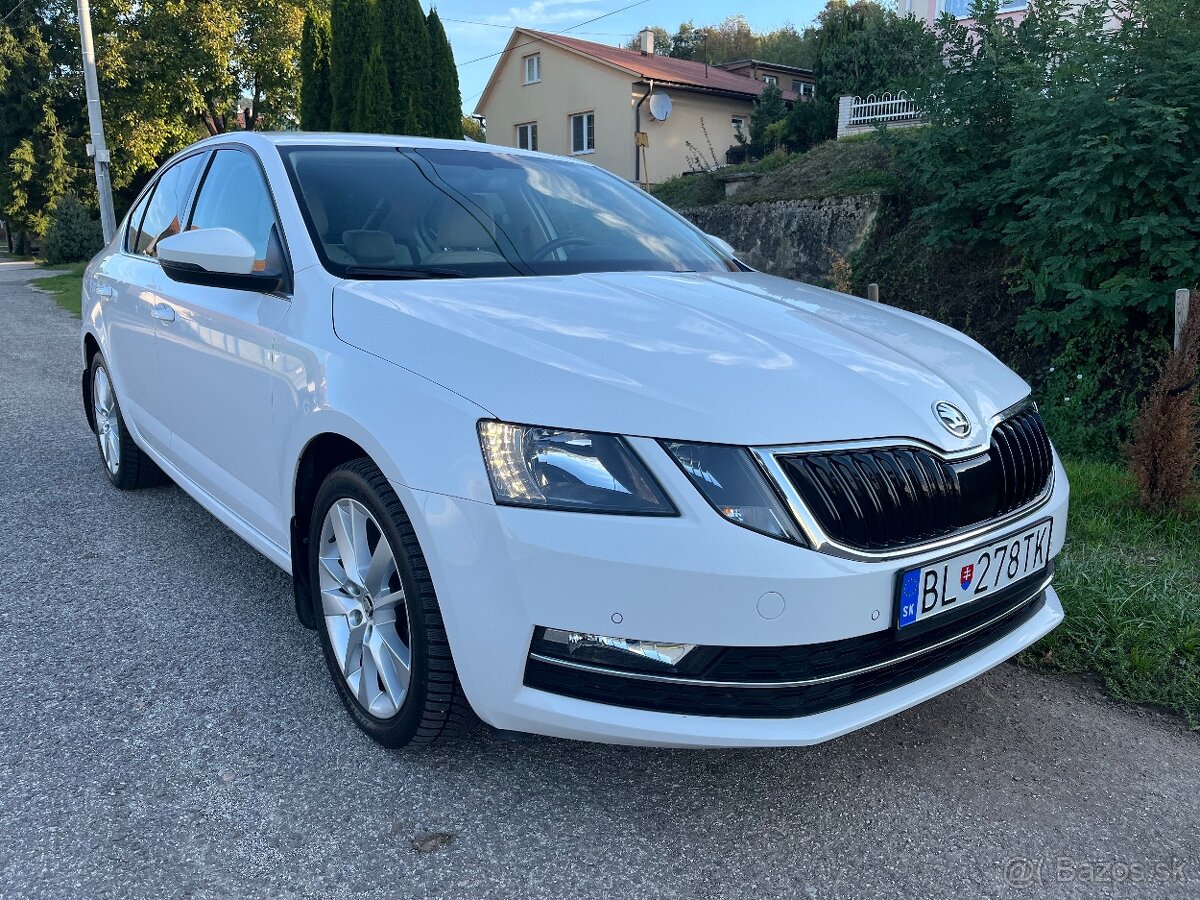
[(381, 627)]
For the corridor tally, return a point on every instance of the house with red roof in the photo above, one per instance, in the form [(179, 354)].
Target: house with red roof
[(639, 114)]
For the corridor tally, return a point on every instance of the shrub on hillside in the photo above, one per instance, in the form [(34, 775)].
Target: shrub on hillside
[(1097, 377), (1074, 145), (1165, 451), (73, 235), (806, 125), (1069, 151), (769, 108)]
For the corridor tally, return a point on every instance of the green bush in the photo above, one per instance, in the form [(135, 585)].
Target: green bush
[(1075, 146), (769, 108), (1095, 383), (73, 235), (806, 125), (1068, 153)]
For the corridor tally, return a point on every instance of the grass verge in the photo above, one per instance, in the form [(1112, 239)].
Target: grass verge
[(67, 288), (1130, 584)]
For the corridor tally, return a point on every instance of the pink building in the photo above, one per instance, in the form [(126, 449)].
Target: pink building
[(930, 10)]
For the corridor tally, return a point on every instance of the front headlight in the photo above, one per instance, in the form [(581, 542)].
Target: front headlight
[(552, 468), (731, 481)]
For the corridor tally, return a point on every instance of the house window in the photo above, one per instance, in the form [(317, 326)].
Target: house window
[(771, 79), (806, 89), (962, 8), (738, 123), (533, 68), (527, 136), (583, 132)]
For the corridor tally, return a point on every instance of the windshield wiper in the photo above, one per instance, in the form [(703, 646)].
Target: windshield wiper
[(401, 272)]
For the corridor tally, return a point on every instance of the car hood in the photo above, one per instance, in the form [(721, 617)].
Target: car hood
[(738, 358)]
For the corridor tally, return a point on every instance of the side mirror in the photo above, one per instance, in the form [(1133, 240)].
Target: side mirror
[(721, 244), (215, 257)]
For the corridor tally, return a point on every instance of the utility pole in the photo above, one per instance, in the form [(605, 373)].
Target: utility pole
[(97, 149)]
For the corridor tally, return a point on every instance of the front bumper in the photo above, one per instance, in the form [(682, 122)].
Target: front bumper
[(501, 571)]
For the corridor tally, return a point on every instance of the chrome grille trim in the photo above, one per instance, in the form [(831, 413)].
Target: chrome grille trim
[(817, 537)]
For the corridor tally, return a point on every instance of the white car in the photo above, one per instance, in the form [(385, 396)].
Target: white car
[(532, 445)]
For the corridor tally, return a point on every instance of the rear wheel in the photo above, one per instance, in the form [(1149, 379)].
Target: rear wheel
[(380, 624), (125, 464)]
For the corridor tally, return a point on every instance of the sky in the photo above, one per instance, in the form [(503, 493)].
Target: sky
[(493, 24)]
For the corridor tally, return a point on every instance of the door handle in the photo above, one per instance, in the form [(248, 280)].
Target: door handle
[(105, 291), (163, 312)]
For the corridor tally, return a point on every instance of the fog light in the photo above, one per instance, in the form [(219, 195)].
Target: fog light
[(627, 653)]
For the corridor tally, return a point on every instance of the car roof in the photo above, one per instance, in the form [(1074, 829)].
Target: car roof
[(263, 139)]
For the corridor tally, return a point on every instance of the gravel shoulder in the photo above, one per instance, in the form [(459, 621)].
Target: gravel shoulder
[(167, 729)]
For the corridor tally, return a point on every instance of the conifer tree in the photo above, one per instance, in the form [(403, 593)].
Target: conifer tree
[(351, 32), (316, 101), (445, 99), (404, 43), (373, 110)]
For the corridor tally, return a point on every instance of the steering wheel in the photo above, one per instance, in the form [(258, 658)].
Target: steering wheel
[(550, 246)]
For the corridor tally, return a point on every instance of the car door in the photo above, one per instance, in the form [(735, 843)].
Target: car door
[(215, 357), (127, 284)]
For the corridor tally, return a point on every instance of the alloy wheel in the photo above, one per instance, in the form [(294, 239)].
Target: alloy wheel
[(108, 429), (364, 608)]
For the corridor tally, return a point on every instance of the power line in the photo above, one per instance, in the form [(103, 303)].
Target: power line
[(469, 22), (604, 16), (9, 14), (563, 31), (497, 25)]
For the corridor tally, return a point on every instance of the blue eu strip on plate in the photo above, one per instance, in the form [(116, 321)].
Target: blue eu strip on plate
[(909, 591)]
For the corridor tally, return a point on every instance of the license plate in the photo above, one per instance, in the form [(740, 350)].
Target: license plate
[(951, 583)]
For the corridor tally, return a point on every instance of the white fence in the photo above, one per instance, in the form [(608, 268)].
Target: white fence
[(856, 115)]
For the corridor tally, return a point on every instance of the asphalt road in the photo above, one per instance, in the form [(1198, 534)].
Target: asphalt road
[(167, 730)]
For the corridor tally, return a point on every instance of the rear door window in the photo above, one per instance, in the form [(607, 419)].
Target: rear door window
[(135, 222)]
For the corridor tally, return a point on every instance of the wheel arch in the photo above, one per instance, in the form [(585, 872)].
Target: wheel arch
[(322, 454), (91, 347)]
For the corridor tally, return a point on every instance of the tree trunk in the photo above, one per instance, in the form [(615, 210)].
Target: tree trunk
[(252, 112), (214, 122)]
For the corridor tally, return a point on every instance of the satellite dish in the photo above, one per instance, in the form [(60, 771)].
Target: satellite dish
[(660, 106)]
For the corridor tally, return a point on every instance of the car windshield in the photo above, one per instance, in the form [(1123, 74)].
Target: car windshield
[(410, 213)]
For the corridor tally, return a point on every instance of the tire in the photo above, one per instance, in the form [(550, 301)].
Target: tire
[(126, 466), (368, 619)]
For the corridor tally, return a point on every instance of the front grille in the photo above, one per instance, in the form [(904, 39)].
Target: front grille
[(838, 672), (896, 497), (1021, 451)]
